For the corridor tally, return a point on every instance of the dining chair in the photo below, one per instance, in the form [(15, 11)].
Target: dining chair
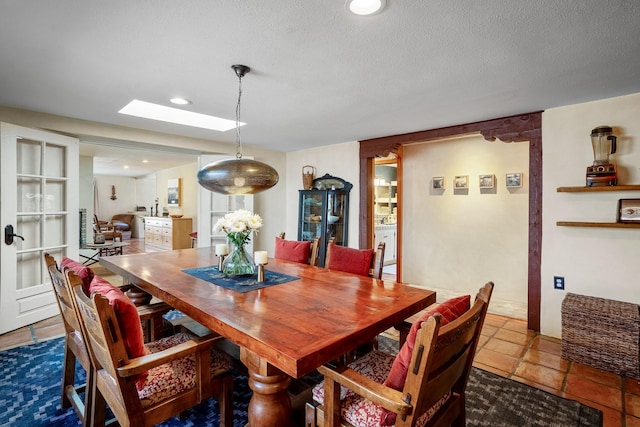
[(74, 345), (155, 383), (365, 262), (304, 252), (424, 385)]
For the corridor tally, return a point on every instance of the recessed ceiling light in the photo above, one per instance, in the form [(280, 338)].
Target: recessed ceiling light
[(365, 7), (162, 113), (180, 101)]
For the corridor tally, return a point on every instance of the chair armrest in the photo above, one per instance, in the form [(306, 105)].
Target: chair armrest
[(380, 394), (144, 363)]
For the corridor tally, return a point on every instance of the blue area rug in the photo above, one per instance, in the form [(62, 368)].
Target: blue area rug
[(243, 284), (31, 377)]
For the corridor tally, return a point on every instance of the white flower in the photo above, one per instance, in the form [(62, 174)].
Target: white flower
[(239, 225)]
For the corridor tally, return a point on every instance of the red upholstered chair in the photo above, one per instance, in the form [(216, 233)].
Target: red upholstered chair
[(304, 252), (378, 389), (365, 262), (146, 384)]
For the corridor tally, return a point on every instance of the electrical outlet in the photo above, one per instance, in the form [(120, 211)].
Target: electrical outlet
[(558, 282)]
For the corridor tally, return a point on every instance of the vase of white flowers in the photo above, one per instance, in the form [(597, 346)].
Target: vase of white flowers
[(239, 226)]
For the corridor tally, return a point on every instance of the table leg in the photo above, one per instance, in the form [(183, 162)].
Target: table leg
[(270, 405)]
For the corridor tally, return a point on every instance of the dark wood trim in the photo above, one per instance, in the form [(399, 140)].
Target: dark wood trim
[(518, 128)]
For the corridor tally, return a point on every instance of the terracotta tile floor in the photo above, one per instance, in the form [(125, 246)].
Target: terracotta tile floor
[(506, 348)]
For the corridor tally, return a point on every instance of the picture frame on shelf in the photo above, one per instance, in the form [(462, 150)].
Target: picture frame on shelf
[(487, 181), (438, 183), (513, 180), (461, 182), (628, 211)]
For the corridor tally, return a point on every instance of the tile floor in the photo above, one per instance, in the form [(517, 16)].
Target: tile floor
[(506, 348)]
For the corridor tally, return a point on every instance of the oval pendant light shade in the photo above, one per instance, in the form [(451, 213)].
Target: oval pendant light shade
[(237, 176)]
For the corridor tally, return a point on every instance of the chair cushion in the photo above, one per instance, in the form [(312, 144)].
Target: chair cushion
[(82, 271), (349, 260), (361, 412), (293, 250), (449, 310), (174, 377), (127, 313)]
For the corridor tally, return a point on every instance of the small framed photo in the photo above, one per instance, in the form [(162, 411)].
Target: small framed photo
[(438, 182), (461, 182), (514, 179), (487, 181)]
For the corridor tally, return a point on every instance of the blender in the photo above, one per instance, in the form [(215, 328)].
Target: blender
[(602, 172)]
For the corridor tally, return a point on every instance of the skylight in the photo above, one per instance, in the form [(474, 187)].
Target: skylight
[(162, 113)]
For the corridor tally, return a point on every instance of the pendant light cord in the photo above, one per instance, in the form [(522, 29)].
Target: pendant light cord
[(238, 141)]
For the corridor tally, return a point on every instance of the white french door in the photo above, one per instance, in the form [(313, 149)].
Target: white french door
[(212, 206), (38, 213)]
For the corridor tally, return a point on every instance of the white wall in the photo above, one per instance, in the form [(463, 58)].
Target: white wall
[(125, 195), (454, 241), (341, 160), (594, 261)]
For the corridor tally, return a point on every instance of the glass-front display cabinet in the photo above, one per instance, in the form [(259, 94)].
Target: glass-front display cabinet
[(324, 213)]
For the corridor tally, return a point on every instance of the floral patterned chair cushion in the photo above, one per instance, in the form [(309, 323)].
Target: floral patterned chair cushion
[(174, 377), (361, 412)]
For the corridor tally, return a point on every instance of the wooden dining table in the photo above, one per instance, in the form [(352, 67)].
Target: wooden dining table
[(283, 331)]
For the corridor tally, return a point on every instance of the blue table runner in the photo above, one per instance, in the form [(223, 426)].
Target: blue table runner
[(242, 284)]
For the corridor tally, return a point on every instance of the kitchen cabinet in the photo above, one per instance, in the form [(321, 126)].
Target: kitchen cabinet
[(386, 201), (386, 234), (597, 189), (167, 233), (324, 213)]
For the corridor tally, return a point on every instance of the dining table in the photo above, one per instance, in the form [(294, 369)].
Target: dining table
[(284, 330)]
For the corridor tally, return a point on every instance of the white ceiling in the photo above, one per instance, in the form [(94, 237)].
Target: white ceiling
[(319, 74)]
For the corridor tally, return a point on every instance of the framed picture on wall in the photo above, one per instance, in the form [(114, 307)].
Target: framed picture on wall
[(514, 179), (438, 182), (174, 195), (461, 182), (487, 181)]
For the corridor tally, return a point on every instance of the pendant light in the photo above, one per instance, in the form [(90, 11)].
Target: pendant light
[(238, 176)]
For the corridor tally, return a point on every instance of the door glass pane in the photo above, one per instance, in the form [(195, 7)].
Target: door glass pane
[(29, 155), (54, 199), (29, 195), (29, 270), (55, 229), (29, 227), (54, 165)]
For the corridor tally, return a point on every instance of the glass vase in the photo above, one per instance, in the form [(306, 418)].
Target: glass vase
[(238, 263)]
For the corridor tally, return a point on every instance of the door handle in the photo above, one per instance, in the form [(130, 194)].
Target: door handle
[(9, 235)]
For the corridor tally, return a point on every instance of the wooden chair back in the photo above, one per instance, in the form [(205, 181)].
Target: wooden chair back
[(75, 347), (440, 365), (315, 251), (116, 373), (441, 362)]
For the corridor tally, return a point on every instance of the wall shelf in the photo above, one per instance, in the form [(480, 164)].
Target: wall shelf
[(601, 188), (597, 189), (597, 224)]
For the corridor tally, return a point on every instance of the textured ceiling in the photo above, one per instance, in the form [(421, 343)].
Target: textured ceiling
[(319, 74)]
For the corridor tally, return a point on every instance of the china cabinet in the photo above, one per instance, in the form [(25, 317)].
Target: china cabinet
[(324, 213)]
